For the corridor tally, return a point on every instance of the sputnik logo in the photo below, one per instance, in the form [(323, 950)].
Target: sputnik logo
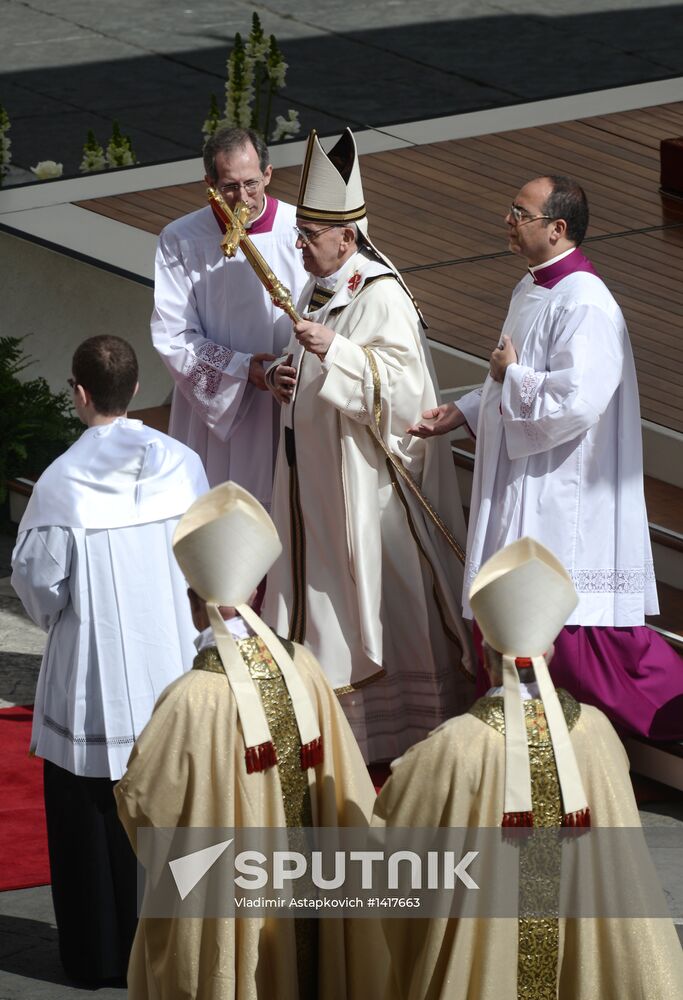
[(188, 870)]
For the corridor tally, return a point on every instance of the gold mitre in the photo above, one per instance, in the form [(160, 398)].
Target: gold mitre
[(521, 598), (331, 190), (225, 544)]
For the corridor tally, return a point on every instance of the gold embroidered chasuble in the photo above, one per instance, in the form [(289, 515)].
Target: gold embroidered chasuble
[(188, 769), (507, 958), (281, 722), (538, 938), (296, 798)]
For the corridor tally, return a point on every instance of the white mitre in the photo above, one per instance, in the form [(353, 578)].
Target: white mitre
[(521, 598), (225, 544), (331, 194)]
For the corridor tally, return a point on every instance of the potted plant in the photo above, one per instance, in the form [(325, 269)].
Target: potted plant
[(36, 425)]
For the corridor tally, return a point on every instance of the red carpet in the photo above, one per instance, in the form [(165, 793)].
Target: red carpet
[(23, 840)]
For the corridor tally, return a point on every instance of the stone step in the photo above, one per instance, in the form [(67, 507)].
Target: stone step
[(662, 762)]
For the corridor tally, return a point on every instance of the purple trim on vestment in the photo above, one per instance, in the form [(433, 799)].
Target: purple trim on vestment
[(264, 224), (551, 273)]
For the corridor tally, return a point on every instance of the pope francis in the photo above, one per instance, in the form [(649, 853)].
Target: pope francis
[(369, 581)]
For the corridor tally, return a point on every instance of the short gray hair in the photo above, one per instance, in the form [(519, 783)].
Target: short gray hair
[(228, 140)]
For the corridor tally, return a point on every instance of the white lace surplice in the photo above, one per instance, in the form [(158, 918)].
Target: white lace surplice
[(559, 452), (211, 316)]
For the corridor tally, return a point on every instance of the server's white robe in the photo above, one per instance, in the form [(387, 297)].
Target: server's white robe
[(211, 316), (369, 593), (559, 451), (94, 568)]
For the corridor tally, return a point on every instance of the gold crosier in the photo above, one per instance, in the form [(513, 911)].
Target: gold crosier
[(236, 237)]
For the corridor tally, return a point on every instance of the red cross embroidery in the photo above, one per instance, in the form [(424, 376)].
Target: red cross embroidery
[(354, 282)]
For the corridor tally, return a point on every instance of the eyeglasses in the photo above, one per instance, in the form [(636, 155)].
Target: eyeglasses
[(521, 216), (72, 383), (307, 235), (251, 186)]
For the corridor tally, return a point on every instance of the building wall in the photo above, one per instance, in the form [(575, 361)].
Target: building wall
[(56, 301)]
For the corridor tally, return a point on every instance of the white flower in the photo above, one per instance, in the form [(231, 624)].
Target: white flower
[(120, 156), (277, 73), (287, 127), (258, 50), (257, 45), (46, 170), (92, 161), (239, 87), (243, 112)]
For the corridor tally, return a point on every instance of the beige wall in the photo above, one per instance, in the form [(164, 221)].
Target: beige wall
[(58, 301)]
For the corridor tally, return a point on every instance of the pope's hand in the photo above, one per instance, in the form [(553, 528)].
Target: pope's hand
[(314, 337), (440, 420), (283, 381)]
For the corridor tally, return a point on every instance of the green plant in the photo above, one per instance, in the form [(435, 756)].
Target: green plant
[(120, 152), (93, 155), (36, 424), (5, 144), (213, 119), (256, 73)]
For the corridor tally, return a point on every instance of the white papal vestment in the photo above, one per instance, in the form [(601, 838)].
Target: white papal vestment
[(365, 576), (211, 315)]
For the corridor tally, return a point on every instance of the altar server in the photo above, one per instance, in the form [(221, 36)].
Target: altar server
[(93, 567)]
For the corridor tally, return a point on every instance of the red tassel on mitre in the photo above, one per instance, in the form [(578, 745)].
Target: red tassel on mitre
[(518, 819), (311, 754), (582, 817), (261, 757)]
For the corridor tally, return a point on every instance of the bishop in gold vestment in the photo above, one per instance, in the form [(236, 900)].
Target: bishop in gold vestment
[(190, 768), (465, 761)]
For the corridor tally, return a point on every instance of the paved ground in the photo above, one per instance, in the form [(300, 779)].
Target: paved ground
[(29, 962), (71, 65)]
